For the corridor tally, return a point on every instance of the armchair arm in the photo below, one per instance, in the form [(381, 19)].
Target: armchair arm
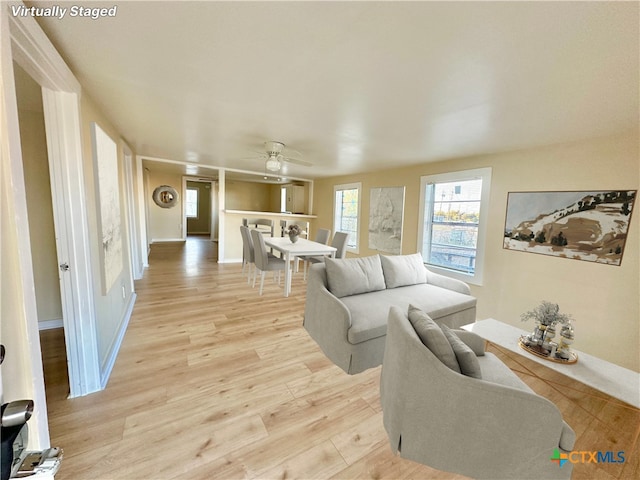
[(446, 282), (473, 341)]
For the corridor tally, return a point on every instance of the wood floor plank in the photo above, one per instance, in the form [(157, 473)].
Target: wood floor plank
[(214, 381)]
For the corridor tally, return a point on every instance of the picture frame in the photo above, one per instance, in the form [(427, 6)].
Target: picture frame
[(386, 214), (105, 154), (588, 225)]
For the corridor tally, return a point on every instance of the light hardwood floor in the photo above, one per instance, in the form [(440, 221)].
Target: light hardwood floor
[(215, 382)]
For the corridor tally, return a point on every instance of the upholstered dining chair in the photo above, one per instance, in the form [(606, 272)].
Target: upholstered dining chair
[(248, 255), (339, 241), (263, 261), (304, 226), (322, 236), (264, 225)]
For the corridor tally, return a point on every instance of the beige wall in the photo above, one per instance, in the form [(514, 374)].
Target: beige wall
[(257, 197), (249, 196), (110, 308), (165, 224), (38, 189), (603, 299)]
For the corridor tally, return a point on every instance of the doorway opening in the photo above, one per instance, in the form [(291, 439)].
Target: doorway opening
[(46, 269), (200, 208)]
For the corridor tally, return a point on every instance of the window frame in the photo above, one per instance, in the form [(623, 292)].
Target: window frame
[(484, 174), (349, 186), (187, 203)]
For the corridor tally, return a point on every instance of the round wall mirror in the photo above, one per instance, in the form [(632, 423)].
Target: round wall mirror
[(165, 196)]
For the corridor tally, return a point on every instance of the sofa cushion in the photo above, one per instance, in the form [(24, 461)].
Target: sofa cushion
[(402, 270), (467, 359), (369, 311), (437, 302), (352, 276), (433, 337)]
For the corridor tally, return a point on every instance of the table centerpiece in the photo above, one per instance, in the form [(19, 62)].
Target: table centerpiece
[(293, 231), (541, 341)]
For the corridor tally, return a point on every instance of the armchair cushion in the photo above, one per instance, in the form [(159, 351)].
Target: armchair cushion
[(352, 276), (467, 359), (433, 337), (402, 270)]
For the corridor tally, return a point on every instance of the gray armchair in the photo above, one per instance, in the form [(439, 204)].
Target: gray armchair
[(493, 428)]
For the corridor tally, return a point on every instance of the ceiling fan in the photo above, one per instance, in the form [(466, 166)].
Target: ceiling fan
[(277, 153)]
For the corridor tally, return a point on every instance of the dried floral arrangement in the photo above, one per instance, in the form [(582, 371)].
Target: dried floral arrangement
[(293, 229), (541, 341), (547, 313)]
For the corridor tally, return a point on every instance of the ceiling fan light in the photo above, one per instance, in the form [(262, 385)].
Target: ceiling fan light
[(273, 164), (274, 148)]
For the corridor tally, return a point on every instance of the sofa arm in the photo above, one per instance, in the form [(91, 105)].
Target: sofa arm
[(326, 318), (447, 282)]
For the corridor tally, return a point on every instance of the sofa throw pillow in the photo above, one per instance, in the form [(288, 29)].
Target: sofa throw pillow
[(402, 270), (433, 337), (351, 276), (467, 359)]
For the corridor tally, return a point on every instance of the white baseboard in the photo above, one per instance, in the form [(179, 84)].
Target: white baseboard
[(230, 260), (162, 240), (50, 324), (113, 354)]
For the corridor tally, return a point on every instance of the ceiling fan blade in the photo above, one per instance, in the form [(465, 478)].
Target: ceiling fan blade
[(262, 157), (297, 161)]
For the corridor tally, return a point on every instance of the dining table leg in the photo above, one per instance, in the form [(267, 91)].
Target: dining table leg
[(287, 275)]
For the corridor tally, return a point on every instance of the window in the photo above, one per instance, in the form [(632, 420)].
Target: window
[(453, 222), (191, 203), (347, 212)]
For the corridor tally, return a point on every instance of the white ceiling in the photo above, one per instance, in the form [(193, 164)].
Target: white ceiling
[(355, 86)]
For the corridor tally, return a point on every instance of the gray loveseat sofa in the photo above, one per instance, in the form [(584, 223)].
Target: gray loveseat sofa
[(348, 303), (491, 427)]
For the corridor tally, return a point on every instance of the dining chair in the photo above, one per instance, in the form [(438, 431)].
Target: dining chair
[(264, 225), (339, 242), (322, 236), (263, 261), (248, 254), (304, 226)]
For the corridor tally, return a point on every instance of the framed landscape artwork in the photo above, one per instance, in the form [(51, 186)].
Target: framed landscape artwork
[(385, 219), (585, 225)]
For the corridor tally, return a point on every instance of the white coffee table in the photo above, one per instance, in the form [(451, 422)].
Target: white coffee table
[(616, 381)]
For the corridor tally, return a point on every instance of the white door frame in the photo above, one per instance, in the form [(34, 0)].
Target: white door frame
[(212, 203), (33, 51), (137, 265)]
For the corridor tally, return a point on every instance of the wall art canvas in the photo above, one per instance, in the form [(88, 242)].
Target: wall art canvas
[(386, 211), (585, 225), (105, 154)]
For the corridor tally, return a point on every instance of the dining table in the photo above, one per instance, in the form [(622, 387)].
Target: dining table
[(290, 250)]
